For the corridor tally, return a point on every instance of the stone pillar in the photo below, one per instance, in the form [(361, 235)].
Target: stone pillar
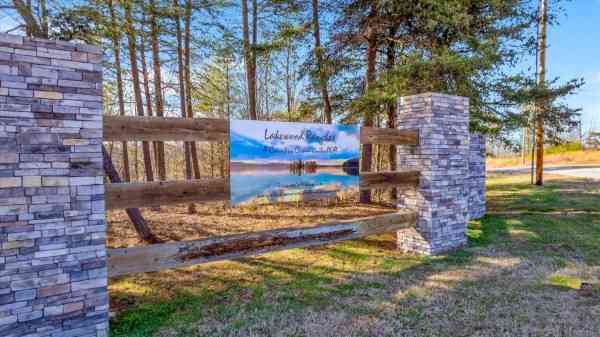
[(53, 277), (476, 176), (442, 156)]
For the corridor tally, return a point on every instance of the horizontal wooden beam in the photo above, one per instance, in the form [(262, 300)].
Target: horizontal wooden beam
[(133, 128), (135, 195), (370, 135), (130, 128), (373, 180), (123, 261)]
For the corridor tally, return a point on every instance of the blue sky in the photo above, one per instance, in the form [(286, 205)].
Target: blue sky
[(574, 52)]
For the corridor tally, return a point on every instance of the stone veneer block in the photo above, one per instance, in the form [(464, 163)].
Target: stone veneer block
[(442, 157), (476, 176), (52, 230)]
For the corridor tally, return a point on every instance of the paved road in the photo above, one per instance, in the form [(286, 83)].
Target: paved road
[(580, 171), (590, 173)]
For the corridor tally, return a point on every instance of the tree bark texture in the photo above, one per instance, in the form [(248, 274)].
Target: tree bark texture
[(320, 67), (155, 46), (142, 229), (137, 90), (116, 37), (541, 105)]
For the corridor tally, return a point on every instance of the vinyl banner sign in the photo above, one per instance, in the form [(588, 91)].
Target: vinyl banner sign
[(283, 162)]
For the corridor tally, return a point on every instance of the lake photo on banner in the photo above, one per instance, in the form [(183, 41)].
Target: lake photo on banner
[(283, 162)]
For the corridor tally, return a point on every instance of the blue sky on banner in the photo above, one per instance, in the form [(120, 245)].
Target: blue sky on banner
[(265, 142)]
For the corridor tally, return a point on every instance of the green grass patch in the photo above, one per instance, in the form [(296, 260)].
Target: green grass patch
[(145, 319), (566, 282), (563, 148), (369, 280)]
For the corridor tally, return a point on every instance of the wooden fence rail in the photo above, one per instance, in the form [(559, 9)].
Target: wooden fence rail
[(129, 128), (134, 195), (123, 261)]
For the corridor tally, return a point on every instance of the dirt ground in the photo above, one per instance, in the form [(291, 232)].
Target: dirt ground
[(174, 223)]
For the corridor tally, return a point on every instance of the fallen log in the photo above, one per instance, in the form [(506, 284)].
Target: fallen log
[(123, 261)]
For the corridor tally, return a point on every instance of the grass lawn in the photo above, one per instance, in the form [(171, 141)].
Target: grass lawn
[(519, 276)]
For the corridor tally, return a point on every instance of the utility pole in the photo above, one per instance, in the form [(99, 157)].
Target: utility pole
[(541, 80)]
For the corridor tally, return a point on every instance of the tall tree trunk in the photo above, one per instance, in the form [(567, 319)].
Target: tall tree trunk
[(188, 80), (288, 83), (145, 77), (134, 214), (224, 149), (136, 162), (142, 229), (541, 106), (392, 110), (43, 17), (366, 162), (116, 37), (154, 42), (182, 96), (228, 90), (254, 52), (319, 59), (249, 53), (147, 91), (137, 90), (212, 160)]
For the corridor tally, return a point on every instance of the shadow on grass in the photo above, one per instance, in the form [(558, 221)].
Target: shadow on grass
[(350, 277), (275, 287), (556, 195), (572, 237)]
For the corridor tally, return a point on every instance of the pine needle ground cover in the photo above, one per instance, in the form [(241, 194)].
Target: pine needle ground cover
[(532, 268)]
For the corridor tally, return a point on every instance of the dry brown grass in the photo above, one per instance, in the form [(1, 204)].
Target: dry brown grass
[(519, 277), (590, 157), (176, 224)]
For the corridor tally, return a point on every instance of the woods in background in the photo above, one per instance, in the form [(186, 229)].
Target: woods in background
[(326, 61)]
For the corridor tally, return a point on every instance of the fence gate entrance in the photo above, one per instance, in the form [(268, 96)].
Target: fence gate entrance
[(54, 264), (168, 255)]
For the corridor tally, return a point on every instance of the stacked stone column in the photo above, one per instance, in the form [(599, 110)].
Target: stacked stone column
[(476, 176), (442, 157), (53, 277)]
